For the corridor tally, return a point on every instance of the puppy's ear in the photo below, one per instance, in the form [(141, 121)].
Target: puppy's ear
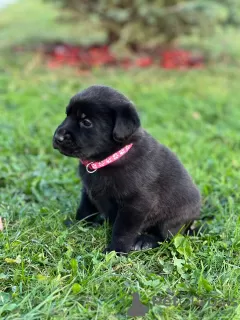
[(126, 123)]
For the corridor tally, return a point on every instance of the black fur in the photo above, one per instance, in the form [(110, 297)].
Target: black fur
[(147, 195)]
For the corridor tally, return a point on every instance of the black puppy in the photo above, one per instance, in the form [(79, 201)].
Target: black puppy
[(145, 191)]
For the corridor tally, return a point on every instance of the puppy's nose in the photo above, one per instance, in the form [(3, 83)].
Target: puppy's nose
[(59, 137), (62, 135)]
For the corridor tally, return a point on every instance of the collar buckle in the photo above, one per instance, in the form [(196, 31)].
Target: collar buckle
[(88, 169)]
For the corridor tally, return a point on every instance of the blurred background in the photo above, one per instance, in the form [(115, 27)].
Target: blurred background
[(167, 33)]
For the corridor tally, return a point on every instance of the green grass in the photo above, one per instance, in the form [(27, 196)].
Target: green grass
[(49, 271)]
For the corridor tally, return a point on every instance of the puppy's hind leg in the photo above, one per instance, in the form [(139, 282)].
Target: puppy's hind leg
[(155, 235)]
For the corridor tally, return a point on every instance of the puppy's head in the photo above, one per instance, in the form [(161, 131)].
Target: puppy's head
[(99, 121)]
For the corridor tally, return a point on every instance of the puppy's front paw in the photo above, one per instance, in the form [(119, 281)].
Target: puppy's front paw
[(119, 251), (93, 220), (145, 241)]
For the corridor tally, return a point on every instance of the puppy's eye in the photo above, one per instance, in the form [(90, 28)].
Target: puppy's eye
[(86, 123)]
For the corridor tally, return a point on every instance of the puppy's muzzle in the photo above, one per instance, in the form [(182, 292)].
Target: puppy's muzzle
[(61, 138)]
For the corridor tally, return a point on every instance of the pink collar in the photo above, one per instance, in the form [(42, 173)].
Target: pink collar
[(93, 166)]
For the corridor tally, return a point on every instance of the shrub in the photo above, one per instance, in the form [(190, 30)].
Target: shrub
[(144, 22)]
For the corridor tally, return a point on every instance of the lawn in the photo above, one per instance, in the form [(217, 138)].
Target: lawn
[(51, 271)]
